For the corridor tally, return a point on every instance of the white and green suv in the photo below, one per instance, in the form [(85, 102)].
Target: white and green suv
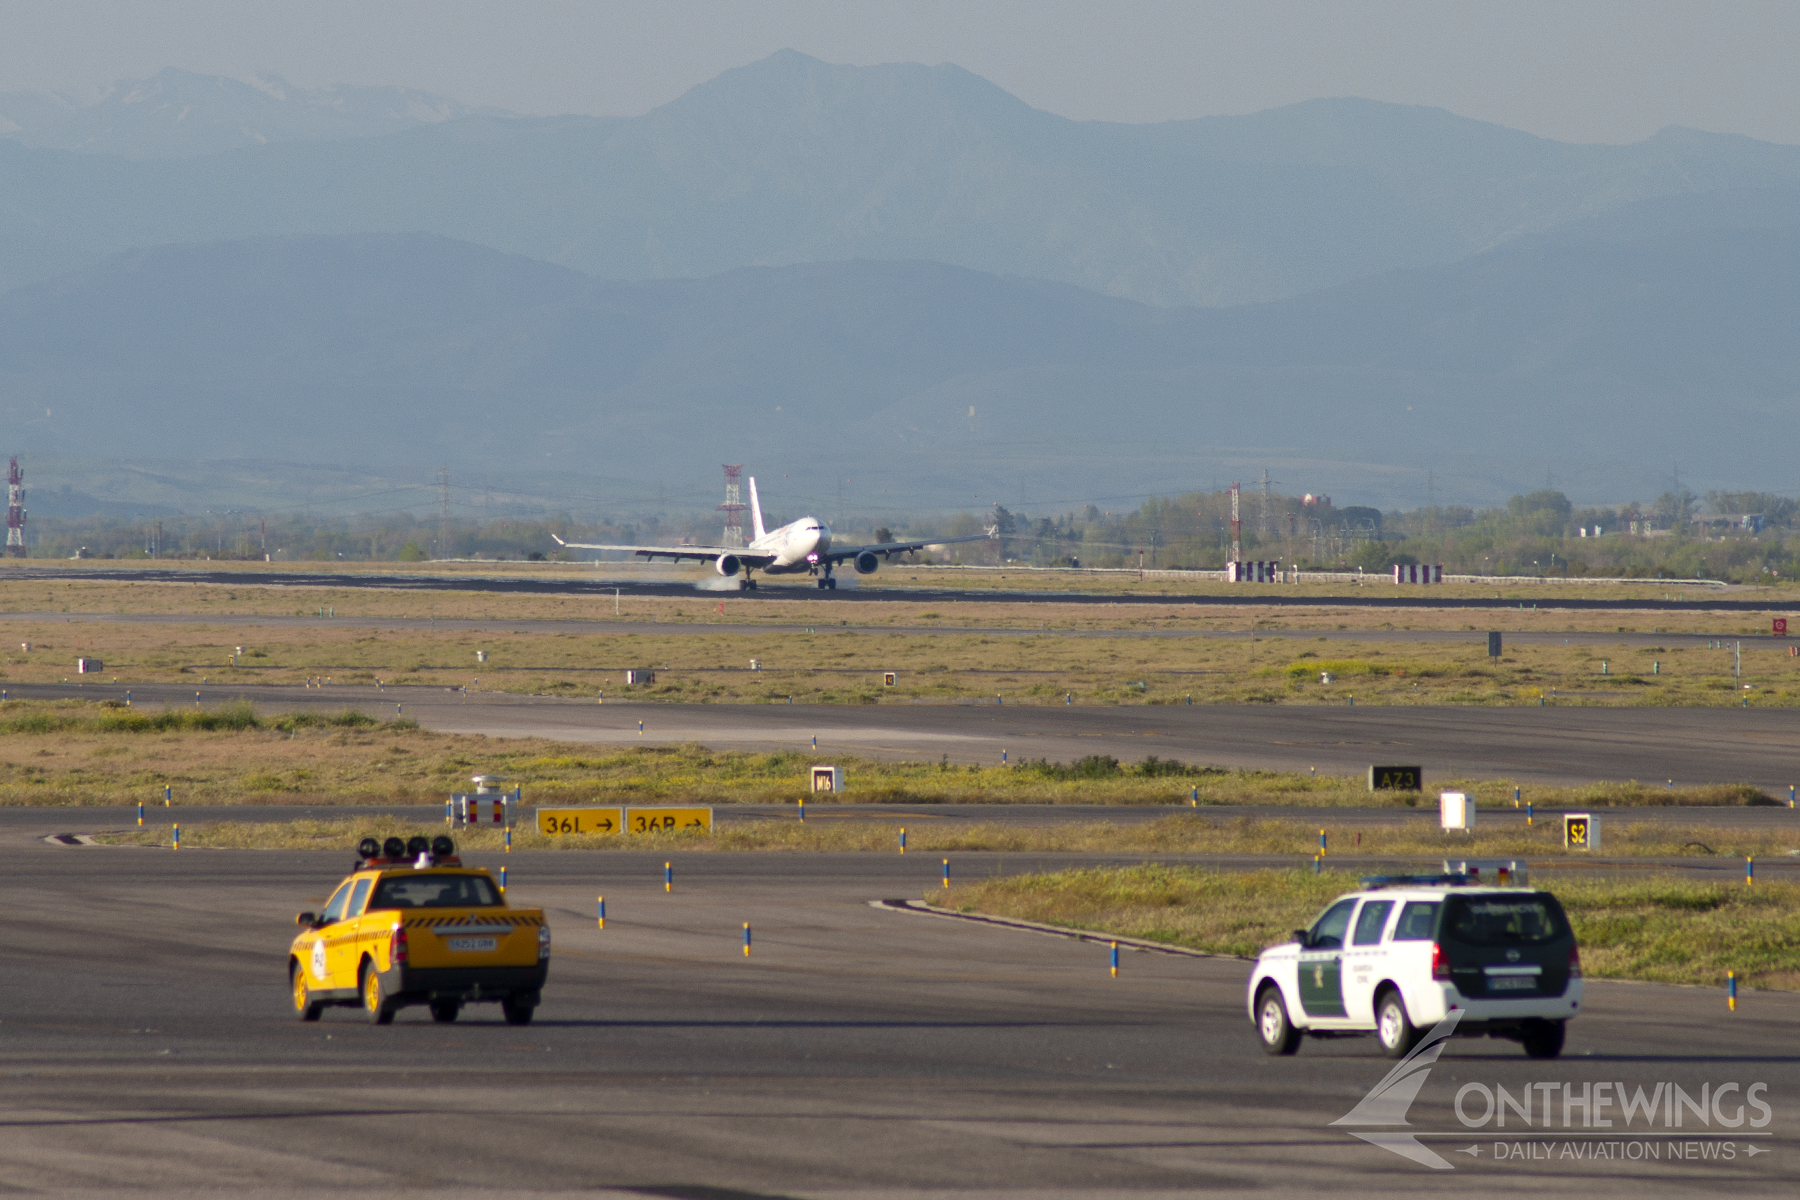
[(1399, 956)]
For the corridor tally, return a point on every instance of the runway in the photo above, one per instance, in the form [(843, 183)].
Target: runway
[(601, 627), (1260, 596), (857, 1053), (1554, 746)]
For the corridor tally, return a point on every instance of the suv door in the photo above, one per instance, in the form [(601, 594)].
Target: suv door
[(1364, 959), (1321, 963)]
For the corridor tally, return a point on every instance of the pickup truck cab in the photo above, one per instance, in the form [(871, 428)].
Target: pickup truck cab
[(412, 925), (1397, 957)]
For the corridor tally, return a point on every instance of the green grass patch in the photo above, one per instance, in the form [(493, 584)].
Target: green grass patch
[(1659, 929), (28, 717)]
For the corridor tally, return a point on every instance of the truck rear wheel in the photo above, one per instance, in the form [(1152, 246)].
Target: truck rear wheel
[(444, 1011), (518, 1010)]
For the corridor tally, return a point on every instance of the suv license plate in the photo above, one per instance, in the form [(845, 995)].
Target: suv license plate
[(1496, 983), (474, 944)]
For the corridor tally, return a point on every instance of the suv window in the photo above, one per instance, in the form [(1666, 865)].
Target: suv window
[(355, 906), (1417, 920), (1504, 920), (334, 907), (1328, 931), (1371, 921), (435, 891)]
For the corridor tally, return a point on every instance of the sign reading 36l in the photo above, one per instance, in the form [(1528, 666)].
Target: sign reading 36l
[(580, 820)]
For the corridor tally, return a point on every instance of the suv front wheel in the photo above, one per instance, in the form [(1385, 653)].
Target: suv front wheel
[(1393, 1027), (1278, 1033)]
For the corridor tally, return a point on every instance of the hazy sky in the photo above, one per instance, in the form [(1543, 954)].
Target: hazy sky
[(1603, 70)]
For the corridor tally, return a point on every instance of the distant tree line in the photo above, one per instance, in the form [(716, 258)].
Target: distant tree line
[(1738, 536)]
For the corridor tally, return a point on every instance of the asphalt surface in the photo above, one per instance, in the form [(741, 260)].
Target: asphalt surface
[(859, 1052), (1554, 745), (601, 627), (72, 821), (1264, 595)]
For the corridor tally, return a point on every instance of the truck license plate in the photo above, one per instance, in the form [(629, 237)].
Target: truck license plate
[(1512, 983), (474, 944)]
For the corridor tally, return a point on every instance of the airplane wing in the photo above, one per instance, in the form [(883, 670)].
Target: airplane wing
[(677, 553), (888, 549)]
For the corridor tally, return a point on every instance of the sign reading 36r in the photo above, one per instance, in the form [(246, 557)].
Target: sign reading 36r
[(668, 820)]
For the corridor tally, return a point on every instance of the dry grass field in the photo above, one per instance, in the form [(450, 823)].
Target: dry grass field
[(838, 651)]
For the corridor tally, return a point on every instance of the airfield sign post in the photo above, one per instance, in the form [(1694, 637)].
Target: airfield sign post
[(1389, 778)]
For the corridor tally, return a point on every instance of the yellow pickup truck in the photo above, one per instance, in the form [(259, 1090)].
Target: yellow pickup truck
[(412, 925)]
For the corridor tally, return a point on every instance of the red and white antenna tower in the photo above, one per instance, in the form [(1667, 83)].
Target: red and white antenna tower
[(734, 506), (15, 511), (1237, 545)]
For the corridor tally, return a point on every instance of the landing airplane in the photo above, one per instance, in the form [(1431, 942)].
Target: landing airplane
[(800, 547)]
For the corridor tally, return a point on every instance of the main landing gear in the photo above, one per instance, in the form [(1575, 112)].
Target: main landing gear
[(747, 585)]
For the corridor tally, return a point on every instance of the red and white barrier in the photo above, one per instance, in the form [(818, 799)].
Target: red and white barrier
[(1418, 573)]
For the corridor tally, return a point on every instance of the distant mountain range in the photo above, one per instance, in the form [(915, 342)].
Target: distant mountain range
[(897, 279), (1602, 360), (790, 160), (178, 114)]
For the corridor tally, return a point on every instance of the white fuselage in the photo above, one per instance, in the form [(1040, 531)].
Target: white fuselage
[(797, 546)]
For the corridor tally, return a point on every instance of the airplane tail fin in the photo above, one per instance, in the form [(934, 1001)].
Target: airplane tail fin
[(755, 510)]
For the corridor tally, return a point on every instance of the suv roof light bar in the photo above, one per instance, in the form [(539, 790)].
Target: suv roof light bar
[(1381, 881)]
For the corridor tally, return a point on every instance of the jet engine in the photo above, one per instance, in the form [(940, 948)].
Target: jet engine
[(728, 565), (866, 562)]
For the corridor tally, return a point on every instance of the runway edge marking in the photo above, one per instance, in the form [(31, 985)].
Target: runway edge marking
[(920, 908)]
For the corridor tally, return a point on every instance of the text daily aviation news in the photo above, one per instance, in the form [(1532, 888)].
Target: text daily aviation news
[(800, 547)]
